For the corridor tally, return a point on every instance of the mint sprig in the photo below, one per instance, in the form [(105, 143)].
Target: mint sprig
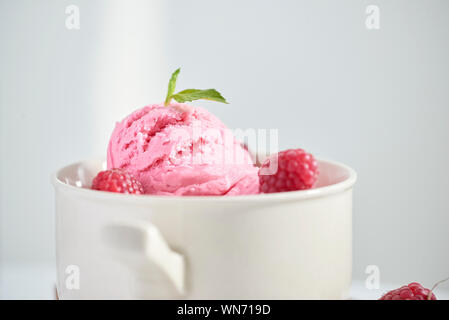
[(190, 94)]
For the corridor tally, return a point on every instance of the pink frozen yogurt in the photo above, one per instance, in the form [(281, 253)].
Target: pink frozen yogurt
[(182, 150)]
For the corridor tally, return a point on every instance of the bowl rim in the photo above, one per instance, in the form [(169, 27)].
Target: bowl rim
[(281, 196)]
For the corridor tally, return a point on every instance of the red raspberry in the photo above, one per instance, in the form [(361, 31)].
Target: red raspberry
[(297, 170), (413, 291), (117, 180)]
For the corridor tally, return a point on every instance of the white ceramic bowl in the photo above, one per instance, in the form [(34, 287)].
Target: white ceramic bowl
[(293, 245)]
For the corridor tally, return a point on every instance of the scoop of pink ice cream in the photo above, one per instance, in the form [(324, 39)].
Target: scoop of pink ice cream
[(182, 150)]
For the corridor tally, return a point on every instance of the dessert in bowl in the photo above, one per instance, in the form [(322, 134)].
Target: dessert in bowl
[(290, 245), (204, 229)]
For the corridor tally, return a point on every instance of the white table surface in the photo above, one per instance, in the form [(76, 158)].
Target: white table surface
[(37, 281)]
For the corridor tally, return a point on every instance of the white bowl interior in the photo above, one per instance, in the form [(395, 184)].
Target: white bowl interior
[(81, 174), (331, 173)]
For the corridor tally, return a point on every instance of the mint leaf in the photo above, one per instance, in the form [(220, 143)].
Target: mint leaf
[(171, 86), (190, 94), (197, 94)]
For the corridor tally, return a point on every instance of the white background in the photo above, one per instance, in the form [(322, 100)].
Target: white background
[(377, 100)]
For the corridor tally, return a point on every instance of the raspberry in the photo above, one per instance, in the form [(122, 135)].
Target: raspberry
[(413, 291), (117, 180), (297, 170)]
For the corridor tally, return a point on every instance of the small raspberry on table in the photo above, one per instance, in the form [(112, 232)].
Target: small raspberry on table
[(412, 291)]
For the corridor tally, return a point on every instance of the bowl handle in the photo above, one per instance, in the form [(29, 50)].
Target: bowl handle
[(139, 243)]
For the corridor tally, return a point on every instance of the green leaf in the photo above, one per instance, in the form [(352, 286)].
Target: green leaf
[(190, 94), (171, 86), (197, 94)]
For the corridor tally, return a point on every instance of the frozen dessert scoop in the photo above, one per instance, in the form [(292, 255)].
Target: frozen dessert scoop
[(178, 149)]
